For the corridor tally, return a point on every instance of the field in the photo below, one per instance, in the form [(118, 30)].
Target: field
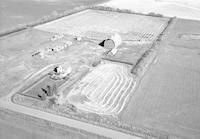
[(131, 27), (100, 84), (59, 72), (11, 15), (23, 126), (168, 96), (15, 57)]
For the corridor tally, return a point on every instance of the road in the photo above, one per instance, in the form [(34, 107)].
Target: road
[(7, 104)]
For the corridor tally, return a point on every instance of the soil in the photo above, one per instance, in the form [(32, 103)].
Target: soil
[(168, 96)]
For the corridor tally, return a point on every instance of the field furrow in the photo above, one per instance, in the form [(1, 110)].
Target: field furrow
[(106, 88)]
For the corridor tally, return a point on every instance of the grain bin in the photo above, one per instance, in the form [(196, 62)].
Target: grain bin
[(113, 42)]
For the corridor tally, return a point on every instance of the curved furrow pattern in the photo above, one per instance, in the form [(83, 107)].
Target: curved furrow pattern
[(124, 95), (107, 88), (122, 91), (116, 102), (93, 87), (108, 109), (123, 98), (105, 93), (99, 96), (97, 74), (117, 97), (98, 89), (98, 83), (115, 91), (87, 89), (110, 91), (92, 81), (92, 106)]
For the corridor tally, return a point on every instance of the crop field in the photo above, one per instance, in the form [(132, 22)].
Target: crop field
[(131, 27), (168, 96)]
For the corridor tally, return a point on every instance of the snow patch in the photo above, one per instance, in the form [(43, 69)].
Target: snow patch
[(188, 9)]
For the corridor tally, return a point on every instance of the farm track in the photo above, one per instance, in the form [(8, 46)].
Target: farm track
[(7, 104)]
